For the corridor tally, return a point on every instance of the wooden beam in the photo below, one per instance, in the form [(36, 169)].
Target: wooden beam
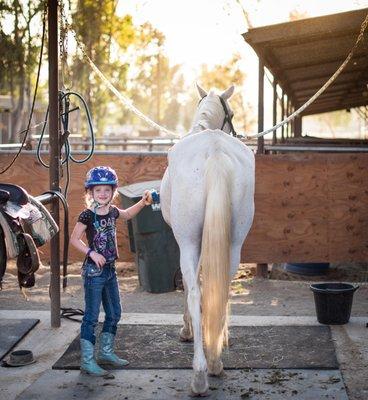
[(312, 62), (307, 28), (310, 91), (341, 106), (308, 207), (274, 110), (260, 140), (298, 126), (328, 95), (317, 83), (282, 115), (262, 269), (323, 77), (53, 48)]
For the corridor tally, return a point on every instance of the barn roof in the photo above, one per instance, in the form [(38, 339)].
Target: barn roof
[(302, 55)]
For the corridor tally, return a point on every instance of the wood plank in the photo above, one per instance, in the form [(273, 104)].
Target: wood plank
[(290, 219), (348, 192), (309, 207)]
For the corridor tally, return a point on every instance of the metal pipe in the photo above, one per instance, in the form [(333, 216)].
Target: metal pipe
[(54, 151), (261, 270), (282, 115), (274, 110), (45, 198), (317, 149), (260, 141)]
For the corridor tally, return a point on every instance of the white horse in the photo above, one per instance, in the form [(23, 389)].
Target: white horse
[(207, 197)]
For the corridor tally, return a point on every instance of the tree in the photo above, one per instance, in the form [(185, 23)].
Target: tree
[(19, 49), (154, 85), (221, 77), (105, 37)]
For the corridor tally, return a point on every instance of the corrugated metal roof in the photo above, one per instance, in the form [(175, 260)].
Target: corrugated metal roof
[(302, 55)]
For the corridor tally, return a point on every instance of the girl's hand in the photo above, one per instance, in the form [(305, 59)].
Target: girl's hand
[(147, 198), (98, 259)]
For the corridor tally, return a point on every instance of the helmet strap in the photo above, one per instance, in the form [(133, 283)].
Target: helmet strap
[(95, 205)]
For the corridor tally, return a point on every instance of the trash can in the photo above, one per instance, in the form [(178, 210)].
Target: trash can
[(157, 254), (333, 302)]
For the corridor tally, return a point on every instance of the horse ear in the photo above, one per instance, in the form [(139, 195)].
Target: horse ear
[(202, 93), (228, 93)]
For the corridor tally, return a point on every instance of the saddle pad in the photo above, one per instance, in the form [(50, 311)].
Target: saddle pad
[(12, 246)]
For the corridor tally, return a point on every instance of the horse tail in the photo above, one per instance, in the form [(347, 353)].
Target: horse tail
[(215, 254)]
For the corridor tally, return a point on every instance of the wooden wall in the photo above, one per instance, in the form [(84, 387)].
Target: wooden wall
[(309, 207)]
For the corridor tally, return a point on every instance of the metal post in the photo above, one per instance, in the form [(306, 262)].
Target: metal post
[(260, 141), (10, 132), (261, 271), (274, 110), (288, 112), (282, 115), (298, 127), (54, 151)]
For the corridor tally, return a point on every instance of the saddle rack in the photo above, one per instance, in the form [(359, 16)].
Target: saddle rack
[(25, 225)]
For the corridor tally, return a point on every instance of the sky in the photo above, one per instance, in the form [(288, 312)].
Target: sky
[(209, 31)]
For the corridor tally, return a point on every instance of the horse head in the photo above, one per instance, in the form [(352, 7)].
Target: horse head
[(213, 111)]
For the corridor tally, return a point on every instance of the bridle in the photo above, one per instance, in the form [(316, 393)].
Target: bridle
[(227, 119)]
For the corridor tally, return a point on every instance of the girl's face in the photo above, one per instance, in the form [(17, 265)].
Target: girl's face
[(102, 194)]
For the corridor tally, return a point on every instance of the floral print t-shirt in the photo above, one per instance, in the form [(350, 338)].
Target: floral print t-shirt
[(101, 232)]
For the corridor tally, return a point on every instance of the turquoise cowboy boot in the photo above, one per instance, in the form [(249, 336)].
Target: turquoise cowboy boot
[(88, 363), (106, 353)]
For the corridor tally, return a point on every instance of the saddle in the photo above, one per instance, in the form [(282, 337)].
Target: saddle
[(25, 224)]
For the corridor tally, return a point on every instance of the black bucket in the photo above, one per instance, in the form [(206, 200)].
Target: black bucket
[(333, 302)]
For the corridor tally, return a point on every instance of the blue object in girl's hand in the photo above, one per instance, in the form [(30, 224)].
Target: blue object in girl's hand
[(155, 196)]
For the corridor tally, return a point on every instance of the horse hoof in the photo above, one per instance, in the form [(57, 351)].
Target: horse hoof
[(185, 336), (215, 368), (199, 385), (192, 394)]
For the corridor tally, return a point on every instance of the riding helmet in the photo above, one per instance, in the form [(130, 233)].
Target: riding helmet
[(101, 176)]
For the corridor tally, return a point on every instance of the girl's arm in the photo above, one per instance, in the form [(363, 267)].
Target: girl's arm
[(77, 242), (76, 238), (134, 210)]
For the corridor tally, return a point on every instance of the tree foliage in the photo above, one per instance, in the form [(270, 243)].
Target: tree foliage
[(154, 85), (221, 77), (105, 37), (19, 49), (132, 57)]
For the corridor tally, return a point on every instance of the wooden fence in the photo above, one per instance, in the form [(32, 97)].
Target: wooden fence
[(309, 207)]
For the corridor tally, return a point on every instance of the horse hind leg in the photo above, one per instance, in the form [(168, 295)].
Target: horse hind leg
[(189, 262), (186, 332)]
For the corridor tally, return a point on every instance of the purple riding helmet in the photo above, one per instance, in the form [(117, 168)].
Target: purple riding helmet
[(101, 176)]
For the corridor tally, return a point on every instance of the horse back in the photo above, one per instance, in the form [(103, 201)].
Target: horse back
[(187, 167), (188, 157)]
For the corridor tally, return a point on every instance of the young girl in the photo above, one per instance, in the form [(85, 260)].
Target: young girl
[(98, 222)]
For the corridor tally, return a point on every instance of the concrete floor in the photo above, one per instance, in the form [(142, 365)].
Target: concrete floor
[(259, 303)]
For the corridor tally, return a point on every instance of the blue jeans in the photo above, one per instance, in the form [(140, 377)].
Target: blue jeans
[(97, 289)]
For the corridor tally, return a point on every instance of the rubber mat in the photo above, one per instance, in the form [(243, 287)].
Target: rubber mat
[(158, 347), (12, 331)]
